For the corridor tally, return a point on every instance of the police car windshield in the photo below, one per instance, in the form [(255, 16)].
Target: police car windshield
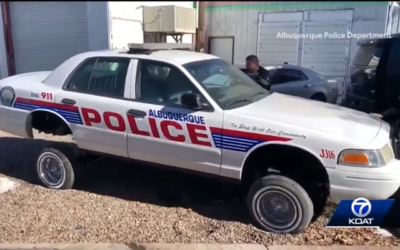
[(225, 83)]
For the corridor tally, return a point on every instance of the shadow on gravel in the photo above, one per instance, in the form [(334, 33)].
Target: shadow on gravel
[(111, 177), (395, 231)]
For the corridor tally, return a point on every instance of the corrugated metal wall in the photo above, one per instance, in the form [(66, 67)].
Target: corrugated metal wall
[(3, 54), (47, 33), (240, 19), (394, 19), (322, 46)]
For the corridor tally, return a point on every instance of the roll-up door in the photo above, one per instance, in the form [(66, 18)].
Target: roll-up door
[(272, 48), (47, 33)]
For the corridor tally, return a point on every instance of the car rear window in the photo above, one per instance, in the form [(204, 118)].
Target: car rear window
[(368, 55)]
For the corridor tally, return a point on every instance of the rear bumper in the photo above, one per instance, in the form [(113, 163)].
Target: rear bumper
[(13, 121), (332, 96)]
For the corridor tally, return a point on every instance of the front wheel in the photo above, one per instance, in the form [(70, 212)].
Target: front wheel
[(280, 205)]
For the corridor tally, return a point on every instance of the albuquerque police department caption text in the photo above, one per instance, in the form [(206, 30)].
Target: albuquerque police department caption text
[(329, 35)]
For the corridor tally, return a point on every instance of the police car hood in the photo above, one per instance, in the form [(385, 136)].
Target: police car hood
[(328, 118)]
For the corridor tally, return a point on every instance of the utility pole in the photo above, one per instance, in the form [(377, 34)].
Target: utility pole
[(201, 24)]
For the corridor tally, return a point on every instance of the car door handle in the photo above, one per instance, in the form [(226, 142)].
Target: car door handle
[(136, 113), (307, 85), (68, 102)]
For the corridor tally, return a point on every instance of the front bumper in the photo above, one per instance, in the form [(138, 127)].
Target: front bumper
[(369, 183), (13, 121)]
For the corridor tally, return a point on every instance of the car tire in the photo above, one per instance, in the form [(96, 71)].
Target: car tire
[(285, 198), (55, 166), (318, 97)]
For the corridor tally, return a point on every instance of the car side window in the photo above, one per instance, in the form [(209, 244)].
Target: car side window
[(288, 75), (101, 76), (162, 83), (303, 76)]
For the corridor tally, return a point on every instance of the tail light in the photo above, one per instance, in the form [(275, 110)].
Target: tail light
[(333, 84), (7, 96)]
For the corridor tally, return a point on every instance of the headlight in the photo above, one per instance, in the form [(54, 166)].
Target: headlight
[(7, 96), (366, 158)]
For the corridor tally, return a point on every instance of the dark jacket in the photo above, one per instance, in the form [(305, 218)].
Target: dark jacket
[(262, 72)]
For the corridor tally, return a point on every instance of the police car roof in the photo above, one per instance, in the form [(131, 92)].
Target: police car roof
[(177, 56), (178, 52), (158, 46), (173, 56)]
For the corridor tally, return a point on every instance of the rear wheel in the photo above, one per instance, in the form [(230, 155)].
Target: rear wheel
[(280, 205), (55, 166)]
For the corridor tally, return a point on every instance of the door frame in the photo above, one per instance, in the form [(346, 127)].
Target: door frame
[(233, 44)]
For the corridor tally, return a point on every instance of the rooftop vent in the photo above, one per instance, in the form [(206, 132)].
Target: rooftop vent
[(148, 48)]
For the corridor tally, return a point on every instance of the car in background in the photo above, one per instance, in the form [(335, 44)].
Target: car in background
[(298, 81), (360, 94), (373, 74)]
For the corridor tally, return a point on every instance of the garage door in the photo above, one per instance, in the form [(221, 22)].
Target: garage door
[(327, 56), (273, 47), (47, 33), (222, 47)]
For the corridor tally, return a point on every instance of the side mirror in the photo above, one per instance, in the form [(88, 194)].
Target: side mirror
[(192, 101)]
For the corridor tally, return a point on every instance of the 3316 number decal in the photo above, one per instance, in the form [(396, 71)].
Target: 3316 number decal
[(48, 96), (328, 154)]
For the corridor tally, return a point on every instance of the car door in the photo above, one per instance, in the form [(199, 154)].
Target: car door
[(290, 82), (165, 132), (94, 101)]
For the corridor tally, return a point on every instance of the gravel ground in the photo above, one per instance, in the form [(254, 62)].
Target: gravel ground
[(120, 203)]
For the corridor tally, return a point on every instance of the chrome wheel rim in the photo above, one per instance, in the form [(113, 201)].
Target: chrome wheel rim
[(277, 208), (51, 170)]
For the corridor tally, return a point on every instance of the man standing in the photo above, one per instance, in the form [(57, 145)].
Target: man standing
[(253, 68)]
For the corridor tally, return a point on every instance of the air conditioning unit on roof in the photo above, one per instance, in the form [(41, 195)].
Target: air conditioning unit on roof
[(169, 19)]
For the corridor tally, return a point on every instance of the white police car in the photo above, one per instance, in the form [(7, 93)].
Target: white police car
[(193, 111)]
